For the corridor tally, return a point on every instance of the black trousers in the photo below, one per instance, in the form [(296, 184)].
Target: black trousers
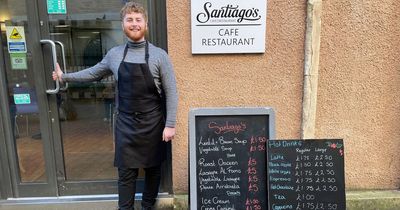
[(127, 187)]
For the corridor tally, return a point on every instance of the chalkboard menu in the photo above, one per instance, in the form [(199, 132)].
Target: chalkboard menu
[(228, 158), (306, 174)]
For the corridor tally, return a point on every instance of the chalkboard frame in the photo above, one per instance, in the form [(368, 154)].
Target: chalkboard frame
[(219, 111)]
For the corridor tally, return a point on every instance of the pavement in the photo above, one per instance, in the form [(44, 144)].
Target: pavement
[(373, 200)]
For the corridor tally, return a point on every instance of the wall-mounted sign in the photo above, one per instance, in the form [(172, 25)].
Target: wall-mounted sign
[(226, 26), (18, 61), (56, 7), (22, 98), (16, 39)]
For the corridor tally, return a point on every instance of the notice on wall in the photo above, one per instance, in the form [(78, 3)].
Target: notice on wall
[(16, 39), (306, 174), (227, 158), (23, 98), (225, 26), (56, 7), (18, 61)]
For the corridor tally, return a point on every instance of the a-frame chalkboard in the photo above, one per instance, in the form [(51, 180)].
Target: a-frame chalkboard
[(228, 157)]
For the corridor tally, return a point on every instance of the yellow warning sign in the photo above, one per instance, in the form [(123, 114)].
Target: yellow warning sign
[(16, 39), (15, 34)]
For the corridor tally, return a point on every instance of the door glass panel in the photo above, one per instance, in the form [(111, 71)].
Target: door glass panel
[(24, 110), (88, 31)]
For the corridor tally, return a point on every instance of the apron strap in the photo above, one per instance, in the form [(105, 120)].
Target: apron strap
[(147, 74), (146, 55), (125, 52)]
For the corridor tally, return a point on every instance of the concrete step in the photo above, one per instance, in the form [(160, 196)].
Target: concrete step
[(100, 202)]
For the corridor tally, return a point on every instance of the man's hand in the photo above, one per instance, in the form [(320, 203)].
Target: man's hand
[(57, 73), (168, 134)]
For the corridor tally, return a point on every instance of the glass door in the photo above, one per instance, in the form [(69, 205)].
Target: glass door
[(25, 104), (84, 31), (61, 143)]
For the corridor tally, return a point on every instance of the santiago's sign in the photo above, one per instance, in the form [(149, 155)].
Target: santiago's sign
[(228, 26)]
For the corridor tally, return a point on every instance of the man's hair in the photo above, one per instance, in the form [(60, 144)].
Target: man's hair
[(133, 7)]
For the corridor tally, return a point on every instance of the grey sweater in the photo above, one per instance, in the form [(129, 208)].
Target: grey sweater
[(159, 64)]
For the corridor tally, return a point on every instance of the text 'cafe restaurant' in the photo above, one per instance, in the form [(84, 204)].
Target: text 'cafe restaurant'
[(326, 69)]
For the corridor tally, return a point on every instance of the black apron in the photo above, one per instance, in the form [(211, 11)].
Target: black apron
[(140, 118)]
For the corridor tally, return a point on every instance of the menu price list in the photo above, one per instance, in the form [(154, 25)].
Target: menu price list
[(306, 174), (231, 163)]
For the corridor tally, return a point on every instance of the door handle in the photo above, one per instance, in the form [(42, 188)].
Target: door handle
[(54, 55), (64, 62)]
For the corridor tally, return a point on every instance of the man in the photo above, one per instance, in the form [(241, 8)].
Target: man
[(146, 106)]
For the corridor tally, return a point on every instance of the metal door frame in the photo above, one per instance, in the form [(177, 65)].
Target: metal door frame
[(5, 181), (56, 185), (157, 12)]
